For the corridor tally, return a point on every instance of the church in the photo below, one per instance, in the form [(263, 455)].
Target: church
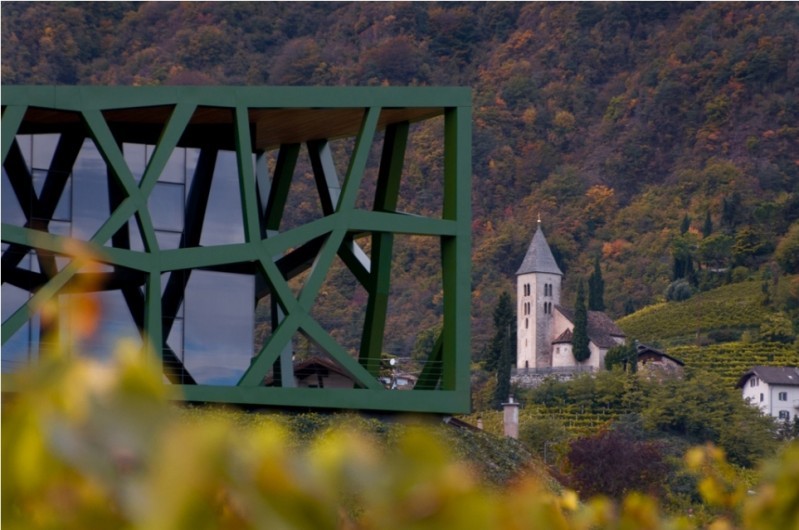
[(544, 326)]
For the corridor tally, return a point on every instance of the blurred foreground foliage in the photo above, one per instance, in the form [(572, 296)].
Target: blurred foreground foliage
[(91, 445)]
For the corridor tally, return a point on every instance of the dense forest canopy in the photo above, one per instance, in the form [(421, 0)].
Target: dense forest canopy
[(616, 122)]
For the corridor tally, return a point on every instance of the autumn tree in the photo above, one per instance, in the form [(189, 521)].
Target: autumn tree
[(580, 339), (614, 464)]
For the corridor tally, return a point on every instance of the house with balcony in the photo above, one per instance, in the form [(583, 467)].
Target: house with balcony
[(773, 389)]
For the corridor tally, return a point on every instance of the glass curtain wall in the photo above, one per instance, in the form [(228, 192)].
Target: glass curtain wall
[(216, 308)]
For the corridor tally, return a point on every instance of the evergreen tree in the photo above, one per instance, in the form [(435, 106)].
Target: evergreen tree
[(731, 211), (500, 354), (685, 225), (624, 355), (580, 334), (596, 288), (629, 307), (707, 227), (502, 390), (504, 322)]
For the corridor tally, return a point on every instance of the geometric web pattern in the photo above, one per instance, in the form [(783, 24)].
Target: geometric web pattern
[(265, 129)]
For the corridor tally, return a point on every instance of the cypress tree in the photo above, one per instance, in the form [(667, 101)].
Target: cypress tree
[(502, 390), (629, 307), (685, 225), (596, 288), (500, 356), (504, 321), (707, 227), (580, 340)]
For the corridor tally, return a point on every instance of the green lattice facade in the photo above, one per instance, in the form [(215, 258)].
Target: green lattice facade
[(173, 190)]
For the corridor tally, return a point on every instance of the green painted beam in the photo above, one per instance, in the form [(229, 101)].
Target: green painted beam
[(379, 281), (422, 401), (79, 98), (12, 117), (273, 255)]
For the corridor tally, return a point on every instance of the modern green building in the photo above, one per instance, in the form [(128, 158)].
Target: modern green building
[(171, 208)]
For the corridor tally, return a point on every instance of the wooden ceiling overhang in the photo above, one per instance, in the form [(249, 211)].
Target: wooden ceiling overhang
[(277, 115)]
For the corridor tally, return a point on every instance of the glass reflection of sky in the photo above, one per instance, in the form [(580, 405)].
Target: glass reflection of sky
[(166, 204), (218, 326), (90, 192), (223, 222), (11, 211), (214, 329)]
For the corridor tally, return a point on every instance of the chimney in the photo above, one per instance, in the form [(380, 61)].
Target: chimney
[(511, 410)]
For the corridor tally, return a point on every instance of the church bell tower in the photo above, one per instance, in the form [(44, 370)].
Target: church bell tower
[(538, 283)]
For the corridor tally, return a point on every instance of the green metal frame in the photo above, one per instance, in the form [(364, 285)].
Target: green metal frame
[(309, 115)]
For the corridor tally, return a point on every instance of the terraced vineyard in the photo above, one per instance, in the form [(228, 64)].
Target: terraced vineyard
[(732, 359), (579, 421), (733, 307)]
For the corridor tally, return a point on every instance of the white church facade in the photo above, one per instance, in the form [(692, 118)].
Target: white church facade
[(544, 327)]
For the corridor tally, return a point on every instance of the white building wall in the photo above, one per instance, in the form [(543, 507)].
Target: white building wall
[(535, 313), (562, 356), (791, 398), (525, 336), (756, 393), (767, 397), (597, 359)]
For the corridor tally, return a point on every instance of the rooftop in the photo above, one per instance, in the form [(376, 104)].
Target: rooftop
[(601, 329), (773, 375), (539, 256)]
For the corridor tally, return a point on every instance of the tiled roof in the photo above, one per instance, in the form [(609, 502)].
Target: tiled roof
[(539, 256), (643, 349), (773, 375), (566, 337), (601, 329), (310, 366)]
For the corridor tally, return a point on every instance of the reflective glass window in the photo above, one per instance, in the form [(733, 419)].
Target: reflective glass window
[(90, 192), (223, 221), (166, 205), (218, 326)]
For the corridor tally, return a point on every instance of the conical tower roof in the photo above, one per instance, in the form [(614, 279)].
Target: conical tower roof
[(539, 256)]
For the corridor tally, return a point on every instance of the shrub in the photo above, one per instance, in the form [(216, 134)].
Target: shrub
[(88, 445), (777, 327), (679, 290), (611, 463), (724, 335), (787, 251)]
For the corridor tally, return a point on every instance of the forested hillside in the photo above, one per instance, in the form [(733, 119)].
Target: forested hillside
[(661, 137)]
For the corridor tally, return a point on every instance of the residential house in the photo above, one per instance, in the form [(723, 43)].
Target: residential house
[(773, 389)]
